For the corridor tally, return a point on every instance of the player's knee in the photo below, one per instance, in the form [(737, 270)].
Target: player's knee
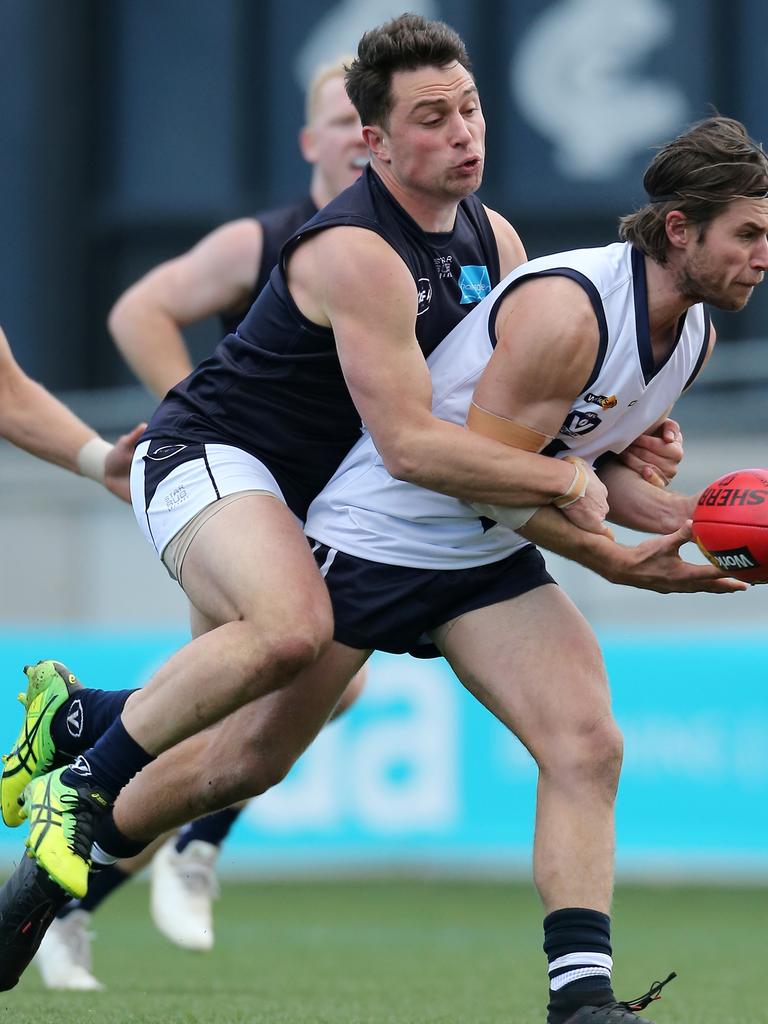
[(588, 755), (598, 755)]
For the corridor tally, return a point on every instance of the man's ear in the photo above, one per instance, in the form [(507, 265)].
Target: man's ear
[(678, 229), (377, 141)]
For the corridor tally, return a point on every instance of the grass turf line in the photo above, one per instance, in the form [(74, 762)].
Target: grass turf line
[(404, 953)]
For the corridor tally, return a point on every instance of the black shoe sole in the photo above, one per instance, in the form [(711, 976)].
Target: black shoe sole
[(29, 901)]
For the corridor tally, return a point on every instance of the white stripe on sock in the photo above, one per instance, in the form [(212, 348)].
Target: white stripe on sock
[(581, 972), (582, 960)]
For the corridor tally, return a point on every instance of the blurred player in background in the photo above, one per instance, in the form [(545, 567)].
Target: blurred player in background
[(220, 276), (32, 419)]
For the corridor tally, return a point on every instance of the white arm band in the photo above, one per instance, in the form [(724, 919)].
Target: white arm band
[(504, 514), (92, 458)]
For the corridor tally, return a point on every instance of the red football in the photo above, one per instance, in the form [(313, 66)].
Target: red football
[(730, 524)]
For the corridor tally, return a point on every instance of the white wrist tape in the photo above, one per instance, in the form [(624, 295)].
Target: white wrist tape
[(92, 458), (578, 486), (505, 514)]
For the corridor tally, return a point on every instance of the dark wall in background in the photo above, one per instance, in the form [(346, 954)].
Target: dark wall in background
[(131, 127)]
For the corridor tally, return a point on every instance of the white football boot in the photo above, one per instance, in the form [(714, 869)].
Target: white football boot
[(64, 957), (183, 887)]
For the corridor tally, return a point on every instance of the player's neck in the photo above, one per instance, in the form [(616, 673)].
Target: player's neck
[(666, 303), (432, 213)]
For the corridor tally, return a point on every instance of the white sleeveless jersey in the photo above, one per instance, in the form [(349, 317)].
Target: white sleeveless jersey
[(363, 511)]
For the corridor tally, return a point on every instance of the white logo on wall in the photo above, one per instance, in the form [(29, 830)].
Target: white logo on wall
[(389, 768), (578, 78), (339, 30)]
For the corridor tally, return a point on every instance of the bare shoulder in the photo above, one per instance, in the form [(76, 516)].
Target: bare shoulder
[(346, 267), (551, 319), (511, 249)]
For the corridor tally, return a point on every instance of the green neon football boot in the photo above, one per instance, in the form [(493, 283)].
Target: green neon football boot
[(49, 685), (61, 817)]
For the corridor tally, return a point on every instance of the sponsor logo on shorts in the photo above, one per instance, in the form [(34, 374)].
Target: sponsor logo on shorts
[(176, 497), (580, 422), (424, 286), (735, 558), (165, 451), (604, 401), (80, 766), (475, 284), (75, 718), (727, 496)]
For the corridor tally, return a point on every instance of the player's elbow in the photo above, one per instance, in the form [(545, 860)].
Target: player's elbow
[(121, 318), (402, 461)]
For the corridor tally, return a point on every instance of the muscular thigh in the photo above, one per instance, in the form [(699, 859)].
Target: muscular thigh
[(533, 661), (252, 561)]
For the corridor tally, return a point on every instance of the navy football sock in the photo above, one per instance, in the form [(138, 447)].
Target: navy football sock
[(577, 942), (111, 763), (84, 717), (213, 828)]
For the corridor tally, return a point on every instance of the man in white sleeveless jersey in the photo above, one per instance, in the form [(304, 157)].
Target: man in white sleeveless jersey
[(574, 355)]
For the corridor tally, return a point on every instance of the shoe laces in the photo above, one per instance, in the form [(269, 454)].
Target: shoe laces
[(653, 993), (82, 817)]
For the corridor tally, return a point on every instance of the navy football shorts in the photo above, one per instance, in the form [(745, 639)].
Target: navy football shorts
[(393, 607)]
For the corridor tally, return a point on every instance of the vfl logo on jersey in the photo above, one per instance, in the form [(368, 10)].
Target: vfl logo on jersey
[(579, 422), (165, 451), (443, 265), (604, 401), (424, 288), (735, 558), (475, 284)]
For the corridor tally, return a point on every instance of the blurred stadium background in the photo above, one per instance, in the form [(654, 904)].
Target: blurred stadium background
[(132, 127)]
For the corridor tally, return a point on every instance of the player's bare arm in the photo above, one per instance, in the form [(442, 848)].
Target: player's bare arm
[(32, 419), (216, 275), (330, 277), (527, 395)]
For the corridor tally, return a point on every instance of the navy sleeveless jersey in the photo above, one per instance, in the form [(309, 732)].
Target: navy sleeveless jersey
[(277, 226), (275, 387)]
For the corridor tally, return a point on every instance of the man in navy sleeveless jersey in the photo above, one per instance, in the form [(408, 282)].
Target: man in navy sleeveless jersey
[(235, 454)]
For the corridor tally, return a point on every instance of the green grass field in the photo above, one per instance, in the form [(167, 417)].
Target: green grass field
[(405, 953)]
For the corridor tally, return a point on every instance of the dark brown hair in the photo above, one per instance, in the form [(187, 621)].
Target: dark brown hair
[(698, 173), (403, 44)]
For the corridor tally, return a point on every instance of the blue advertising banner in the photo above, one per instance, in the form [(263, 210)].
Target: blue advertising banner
[(418, 775)]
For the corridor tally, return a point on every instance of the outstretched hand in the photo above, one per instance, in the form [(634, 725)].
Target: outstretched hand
[(656, 564), (117, 468)]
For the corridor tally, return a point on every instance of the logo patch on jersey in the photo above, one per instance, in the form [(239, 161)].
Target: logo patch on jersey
[(475, 284), (443, 265), (424, 287), (604, 401), (579, 422)]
